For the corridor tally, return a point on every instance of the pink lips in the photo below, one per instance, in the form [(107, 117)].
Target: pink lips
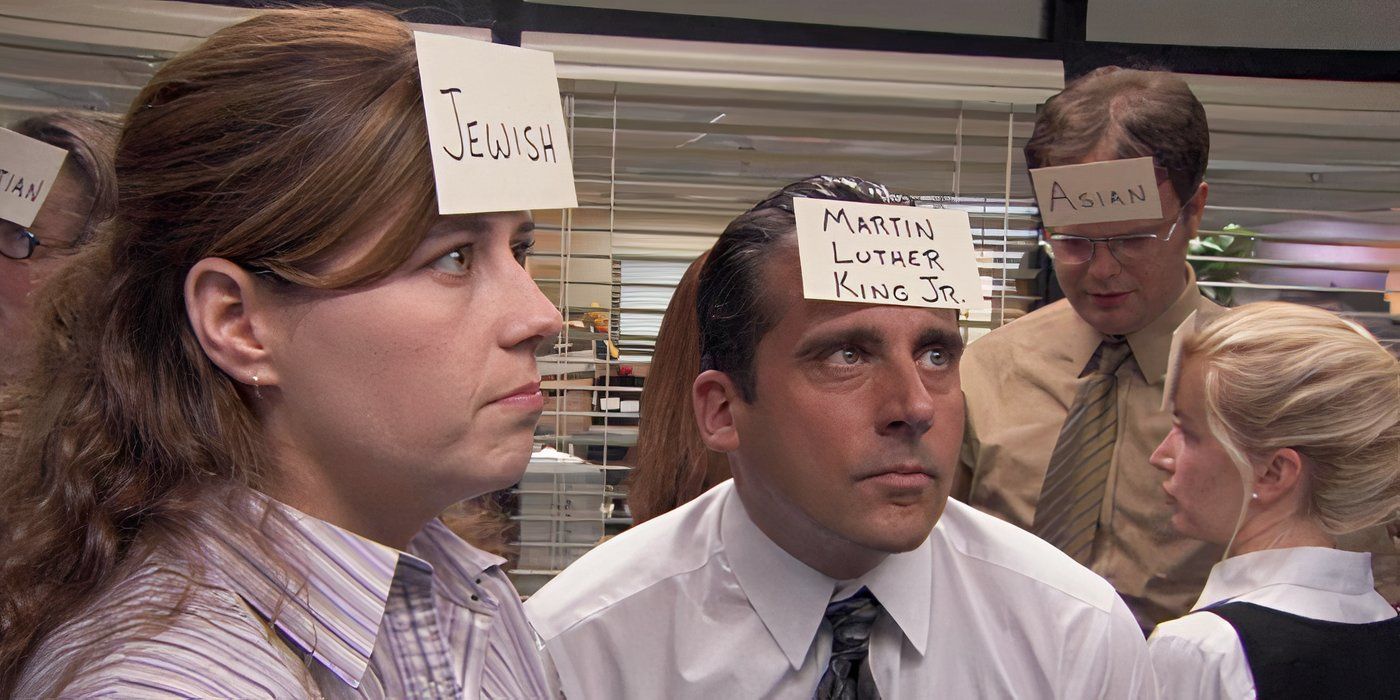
[(526, 398), (901, 478), (1109, 301), (900, 481)]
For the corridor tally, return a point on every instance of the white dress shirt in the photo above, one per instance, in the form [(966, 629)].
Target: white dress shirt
[(1199, 655), (699, 603)]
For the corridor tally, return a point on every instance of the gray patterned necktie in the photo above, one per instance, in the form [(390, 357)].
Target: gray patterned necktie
[(847, 675), (1067, 514)]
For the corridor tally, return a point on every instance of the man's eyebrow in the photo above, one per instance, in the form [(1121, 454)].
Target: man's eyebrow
[(951, 340), (854, 335)]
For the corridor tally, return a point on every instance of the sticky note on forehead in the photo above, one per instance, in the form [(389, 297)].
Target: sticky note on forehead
[(495, 126), (1095, 193), (887, 254), (28, 168)]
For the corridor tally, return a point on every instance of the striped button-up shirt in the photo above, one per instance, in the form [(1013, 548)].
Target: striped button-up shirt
[(352, 619)]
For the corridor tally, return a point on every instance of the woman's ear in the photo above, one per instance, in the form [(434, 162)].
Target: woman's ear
[(715, 396), (1279, 476), (224, 307)]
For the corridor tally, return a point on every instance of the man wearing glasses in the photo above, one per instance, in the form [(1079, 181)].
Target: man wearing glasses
[(1064, 405), (80, 197)]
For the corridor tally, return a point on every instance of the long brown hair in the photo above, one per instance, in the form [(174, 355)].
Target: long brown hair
[(273, 144), (672, 462)]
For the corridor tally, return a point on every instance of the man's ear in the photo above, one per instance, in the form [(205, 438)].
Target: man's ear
[(1196, 208), (223, 304), (715, 396), (1280, 476)]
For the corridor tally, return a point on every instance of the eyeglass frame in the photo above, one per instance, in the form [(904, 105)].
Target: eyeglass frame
[(34, 242), (1109, 241)]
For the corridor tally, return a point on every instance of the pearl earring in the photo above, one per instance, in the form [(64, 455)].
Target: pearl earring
[(257, 390), (1255, 496)]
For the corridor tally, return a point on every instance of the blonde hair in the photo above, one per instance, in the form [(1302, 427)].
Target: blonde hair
[(1283, 375)]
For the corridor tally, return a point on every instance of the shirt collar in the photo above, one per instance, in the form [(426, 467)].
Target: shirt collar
[(458, 565), (903, 583), (1319, 568), (791, 598), (332, 608), (1152, 344)]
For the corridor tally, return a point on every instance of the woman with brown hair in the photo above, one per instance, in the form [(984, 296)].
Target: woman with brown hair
[(286, 366), (672, 465)]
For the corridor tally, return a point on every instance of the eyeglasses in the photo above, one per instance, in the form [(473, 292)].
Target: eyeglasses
[(17, 242), (1127, 248)]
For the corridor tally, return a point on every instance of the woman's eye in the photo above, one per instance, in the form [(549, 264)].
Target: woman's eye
[(845, 357), (938, 357), (455, 262)]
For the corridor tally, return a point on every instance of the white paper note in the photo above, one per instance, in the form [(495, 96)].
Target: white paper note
[(1092, 193), (887, 254), (495, 126), (28, 168)]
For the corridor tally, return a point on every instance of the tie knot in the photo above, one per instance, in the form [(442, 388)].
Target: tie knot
[(859, 610), (1111, 355)]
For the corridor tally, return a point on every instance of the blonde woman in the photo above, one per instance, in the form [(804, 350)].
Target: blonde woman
[(1286, 434), (287, 365)]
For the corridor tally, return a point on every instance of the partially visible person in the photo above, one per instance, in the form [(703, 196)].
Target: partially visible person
[(673, 465), (1285, 434), (833, 565), (81, 198), (285, 364)]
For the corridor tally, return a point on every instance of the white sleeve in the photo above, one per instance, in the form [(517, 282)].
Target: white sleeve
[(551, 675), (1199, 656), (1129, 673)]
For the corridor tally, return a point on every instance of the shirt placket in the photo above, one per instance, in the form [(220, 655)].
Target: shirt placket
[(426, 667)]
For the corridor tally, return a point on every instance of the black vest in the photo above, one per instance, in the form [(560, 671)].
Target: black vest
[(1299, 657)]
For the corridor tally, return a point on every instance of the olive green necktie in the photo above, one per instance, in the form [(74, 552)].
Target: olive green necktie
[(1067, 514)]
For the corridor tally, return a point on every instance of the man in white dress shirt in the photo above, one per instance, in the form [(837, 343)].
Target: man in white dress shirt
[(833, 565)]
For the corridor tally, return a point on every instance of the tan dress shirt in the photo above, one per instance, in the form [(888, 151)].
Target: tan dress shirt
[(1019, 381)]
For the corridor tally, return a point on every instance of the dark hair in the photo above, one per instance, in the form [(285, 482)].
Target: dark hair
[(732, 320), (90, 140), (275, 143), (1140, 112)]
